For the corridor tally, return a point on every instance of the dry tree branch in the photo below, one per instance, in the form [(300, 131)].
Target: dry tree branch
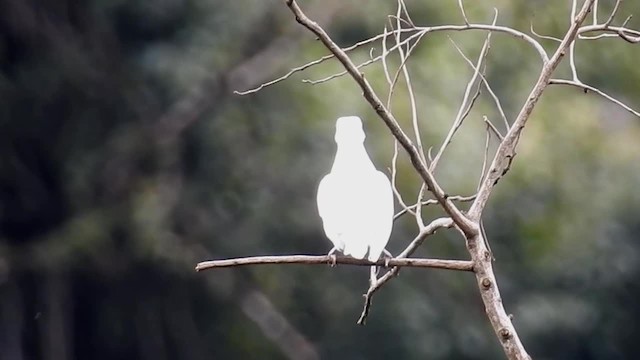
[(492, 127), (546, 37), (485, 157), (464, 14), (394, 175), (572, 44), (595, 90), (613, 13), (431, 202), (461, 265)]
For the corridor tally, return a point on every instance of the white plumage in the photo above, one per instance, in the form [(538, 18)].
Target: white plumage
[(355, 201)]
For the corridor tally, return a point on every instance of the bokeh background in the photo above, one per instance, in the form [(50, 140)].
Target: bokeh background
[(125, 158)]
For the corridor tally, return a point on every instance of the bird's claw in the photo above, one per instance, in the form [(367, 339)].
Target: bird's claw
[(332, 256), (373, 280)]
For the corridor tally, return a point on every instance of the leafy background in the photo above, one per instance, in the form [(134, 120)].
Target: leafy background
[(125, 158)]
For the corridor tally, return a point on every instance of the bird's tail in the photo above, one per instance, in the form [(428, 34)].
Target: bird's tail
[(356, 250), (375, 253)]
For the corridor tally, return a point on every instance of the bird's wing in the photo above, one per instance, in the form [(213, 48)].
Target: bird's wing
[(327, 206), (380, 214), (339, 200)]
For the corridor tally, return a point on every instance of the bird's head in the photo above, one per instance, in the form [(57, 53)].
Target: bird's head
[(349, 130)]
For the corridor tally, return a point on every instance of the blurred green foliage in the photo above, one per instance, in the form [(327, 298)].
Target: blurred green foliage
[(125, 158)]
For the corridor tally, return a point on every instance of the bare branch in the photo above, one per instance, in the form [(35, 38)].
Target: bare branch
[(595, 90), (613, 13), (543, 36), (486, 152), (464, 15), (403, 6), (432, 202), (394, 175), (418, 213), (628, 38), (572, 45), (461, 265), (492, 127), (609, 31)]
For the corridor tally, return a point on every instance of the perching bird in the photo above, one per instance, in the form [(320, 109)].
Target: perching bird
[(355, 201)]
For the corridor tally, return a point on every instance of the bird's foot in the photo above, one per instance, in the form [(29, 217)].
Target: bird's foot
[(373, 279), (333, 257), (334, 260), (387, 258)]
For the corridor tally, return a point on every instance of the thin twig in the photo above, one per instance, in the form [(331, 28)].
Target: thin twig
[(464, 15), (622, 32), (431, 202), (461, 265), (572, 46), (486, 153), (406, 12), (418, 213), (492, 127), (613, 14), (394, 175), (610, 31), (543, 36), (595, 90)]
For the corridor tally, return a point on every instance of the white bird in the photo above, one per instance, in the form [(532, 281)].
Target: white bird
[(355, 201)]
